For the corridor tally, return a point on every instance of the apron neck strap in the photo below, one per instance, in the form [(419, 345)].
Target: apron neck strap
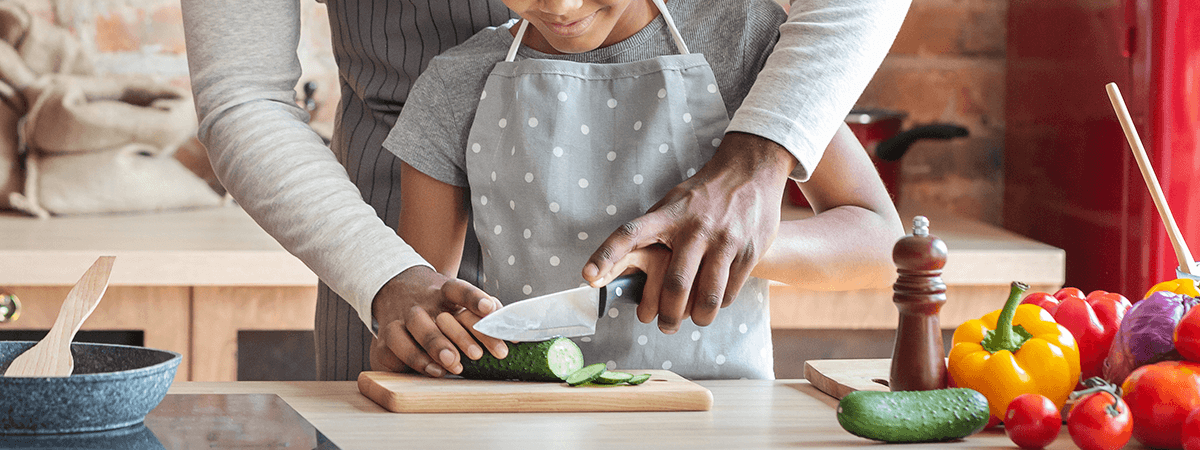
[(662, 8)]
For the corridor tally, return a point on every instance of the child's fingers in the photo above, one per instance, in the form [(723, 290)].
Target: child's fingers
[(426, 334), (459, 335), (395, 342), (495, 346)]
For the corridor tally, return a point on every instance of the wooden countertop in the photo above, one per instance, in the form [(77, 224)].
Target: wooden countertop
[(202, 247), (746, 414)]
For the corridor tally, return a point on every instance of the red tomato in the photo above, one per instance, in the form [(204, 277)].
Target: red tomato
[(1187, 335), (1191, 431), (1160, 397), (1100, 421), (1032, 421)]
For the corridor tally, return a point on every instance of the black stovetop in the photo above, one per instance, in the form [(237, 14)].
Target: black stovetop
[(198, 421)]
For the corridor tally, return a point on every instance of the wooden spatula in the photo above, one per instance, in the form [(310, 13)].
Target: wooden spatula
[(51, 357)]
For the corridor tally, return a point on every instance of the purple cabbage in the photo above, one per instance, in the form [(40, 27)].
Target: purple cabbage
[(1146, 334)]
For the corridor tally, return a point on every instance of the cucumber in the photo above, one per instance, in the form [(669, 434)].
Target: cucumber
[(639, 379), (914, 416), (587, 374), (608, 377), (552, 360)]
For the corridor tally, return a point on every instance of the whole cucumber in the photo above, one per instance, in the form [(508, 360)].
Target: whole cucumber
[(551, 360), (914, 416)]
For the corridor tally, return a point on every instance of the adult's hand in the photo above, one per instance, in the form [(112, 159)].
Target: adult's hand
[(717, 224), (424, 321)]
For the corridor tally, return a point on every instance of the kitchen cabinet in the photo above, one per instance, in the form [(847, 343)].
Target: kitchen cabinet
[(190, 280)]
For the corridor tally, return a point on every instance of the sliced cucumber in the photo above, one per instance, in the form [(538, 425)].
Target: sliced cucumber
[(609, 377), (639, 379), (551, 360), (587, 374)]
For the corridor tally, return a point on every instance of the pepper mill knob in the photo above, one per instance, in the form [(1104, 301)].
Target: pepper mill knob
[(919, 358)]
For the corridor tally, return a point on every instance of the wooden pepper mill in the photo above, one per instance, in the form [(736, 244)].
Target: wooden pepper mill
[(918, 359)]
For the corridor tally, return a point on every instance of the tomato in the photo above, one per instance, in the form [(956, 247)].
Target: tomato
[(1100, 421), (1187, 335), (1160, 397), (1191, 431), (1032, 421)]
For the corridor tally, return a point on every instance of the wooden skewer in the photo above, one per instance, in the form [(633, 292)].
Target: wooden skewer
[(1186, 263)]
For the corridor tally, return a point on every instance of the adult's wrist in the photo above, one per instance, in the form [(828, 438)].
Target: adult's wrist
[(412, 281), (763, 156)]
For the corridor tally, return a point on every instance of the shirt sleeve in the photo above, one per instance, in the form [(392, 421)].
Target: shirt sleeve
[(828, 50), (244, 69), (428, 135)]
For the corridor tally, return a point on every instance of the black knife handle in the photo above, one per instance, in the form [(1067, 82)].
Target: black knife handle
[(630, 287)]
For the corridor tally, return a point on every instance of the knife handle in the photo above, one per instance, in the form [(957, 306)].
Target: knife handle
[(627, 287)]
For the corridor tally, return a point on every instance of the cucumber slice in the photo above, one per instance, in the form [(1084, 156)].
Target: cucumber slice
[(551, 360), (608, 377), (639, 379), (586, 375)]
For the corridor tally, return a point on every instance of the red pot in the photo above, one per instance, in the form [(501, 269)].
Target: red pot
[(879, 132)]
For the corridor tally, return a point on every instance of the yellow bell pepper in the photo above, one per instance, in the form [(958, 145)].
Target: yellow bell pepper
[(1179, 286), (1016, 350)]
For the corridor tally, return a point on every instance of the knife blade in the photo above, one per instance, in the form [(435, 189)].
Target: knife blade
[(568, 313)]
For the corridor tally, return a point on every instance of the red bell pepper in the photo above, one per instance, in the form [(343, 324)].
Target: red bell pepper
[(1093, 321)]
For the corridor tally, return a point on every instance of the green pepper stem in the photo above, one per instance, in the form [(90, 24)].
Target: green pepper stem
[(1006, 336)]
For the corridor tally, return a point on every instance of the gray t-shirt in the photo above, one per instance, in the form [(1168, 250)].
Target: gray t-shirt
[(431, 131)]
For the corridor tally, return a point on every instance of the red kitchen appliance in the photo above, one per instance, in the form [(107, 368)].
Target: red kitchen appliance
[(879, 132), (1070, 177)]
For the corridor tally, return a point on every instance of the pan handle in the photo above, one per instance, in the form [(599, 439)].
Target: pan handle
[(896, 146)]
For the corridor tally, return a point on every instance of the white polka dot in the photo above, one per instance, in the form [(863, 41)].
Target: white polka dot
[(528, 177), (533, 122), (562, 96), (558, 151), (583, 183), (483, 200), (512, 205), (584, 129), (527, 289), (716, 142), (612, 156), (586, 339), (720, 359), (618, 291), (485, 279), (483, 95), (493, 176), (611, 365), (498, 229), (663, 148), (662, 93), (612, 103), (637, 179), (642, 340), (691, 171), (712, 88), (553, 207), (611, 209), (666, 365), (528, 233), (582, 236), (760, 297), (513, 151), (554, 261), (696, 335), (687, 117), (637, 125), (476, 148), (614, 313), (512, 260), (503, 123), (742, 328)]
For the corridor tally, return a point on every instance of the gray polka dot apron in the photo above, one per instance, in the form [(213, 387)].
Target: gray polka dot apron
[(562, 153)]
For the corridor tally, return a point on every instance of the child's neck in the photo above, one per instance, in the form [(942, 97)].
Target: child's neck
[(637, 16)]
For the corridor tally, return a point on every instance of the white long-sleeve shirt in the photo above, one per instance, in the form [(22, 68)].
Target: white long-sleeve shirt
[(335, 208)]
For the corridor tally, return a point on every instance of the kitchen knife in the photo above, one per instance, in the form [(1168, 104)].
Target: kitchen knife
[(568, 313)]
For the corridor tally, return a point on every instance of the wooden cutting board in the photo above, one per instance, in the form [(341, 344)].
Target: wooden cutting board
[(838, 377), (413, 393)]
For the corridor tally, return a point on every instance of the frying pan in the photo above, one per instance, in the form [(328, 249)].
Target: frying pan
[(113, 386)]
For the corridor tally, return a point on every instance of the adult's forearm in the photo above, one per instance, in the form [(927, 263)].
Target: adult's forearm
[(827, 53), (242, 58)]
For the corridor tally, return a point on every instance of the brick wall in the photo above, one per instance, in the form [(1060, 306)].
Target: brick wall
[(947, 65)]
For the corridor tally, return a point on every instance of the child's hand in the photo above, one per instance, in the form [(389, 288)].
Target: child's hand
[(653, 261), (409, 334)]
